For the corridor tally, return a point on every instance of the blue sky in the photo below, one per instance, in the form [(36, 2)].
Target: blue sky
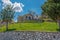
[(34, 5)]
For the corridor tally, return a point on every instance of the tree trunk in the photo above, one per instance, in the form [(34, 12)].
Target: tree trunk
[(6, 26), (59, 24)]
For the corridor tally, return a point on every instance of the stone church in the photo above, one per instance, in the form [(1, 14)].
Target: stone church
[(28, 17)]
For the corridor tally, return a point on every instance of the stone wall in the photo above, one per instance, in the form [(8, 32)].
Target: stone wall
[(29, 35)]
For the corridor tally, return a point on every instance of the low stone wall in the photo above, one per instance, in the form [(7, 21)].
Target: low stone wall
[(29, 35)]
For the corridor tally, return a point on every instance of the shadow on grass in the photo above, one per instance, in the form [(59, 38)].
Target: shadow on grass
[(10, 30), (58, 30)]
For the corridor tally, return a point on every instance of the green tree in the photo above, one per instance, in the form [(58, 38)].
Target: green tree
[(7, 14), (52, 9)]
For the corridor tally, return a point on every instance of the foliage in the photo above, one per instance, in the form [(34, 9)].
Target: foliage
[(52, 9), (7, 14)]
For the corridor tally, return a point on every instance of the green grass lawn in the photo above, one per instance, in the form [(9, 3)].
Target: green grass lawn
[(43, 27)]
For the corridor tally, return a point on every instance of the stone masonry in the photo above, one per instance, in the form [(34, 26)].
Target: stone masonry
[(29, 35)]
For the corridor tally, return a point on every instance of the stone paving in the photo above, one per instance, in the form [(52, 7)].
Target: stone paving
[(29, 35)]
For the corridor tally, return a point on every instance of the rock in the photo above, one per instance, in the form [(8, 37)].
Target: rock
[(13, 35)]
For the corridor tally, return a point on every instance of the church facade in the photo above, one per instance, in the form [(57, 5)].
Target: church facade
[(28, 17)]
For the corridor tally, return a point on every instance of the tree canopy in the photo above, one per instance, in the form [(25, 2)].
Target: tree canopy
[(7, 14), (52, 9)]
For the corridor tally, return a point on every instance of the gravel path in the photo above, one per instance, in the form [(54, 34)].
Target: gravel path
[(29, 35)]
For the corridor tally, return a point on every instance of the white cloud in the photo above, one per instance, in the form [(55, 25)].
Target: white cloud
[(16, 6), (5, 2)]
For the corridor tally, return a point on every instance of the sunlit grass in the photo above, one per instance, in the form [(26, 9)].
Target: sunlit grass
[(43, 27)]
